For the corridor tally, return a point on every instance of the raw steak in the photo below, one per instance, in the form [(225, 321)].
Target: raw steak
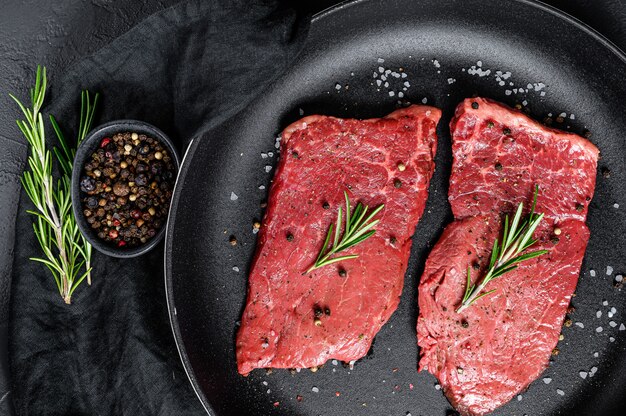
[(494, 349), (387, 160)]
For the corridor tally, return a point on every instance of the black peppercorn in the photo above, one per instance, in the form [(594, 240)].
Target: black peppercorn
[(342, 273), (498, 166), (475, 105), (506, 130), (397, 183), (326, 205), (87, 184), (289, 237)]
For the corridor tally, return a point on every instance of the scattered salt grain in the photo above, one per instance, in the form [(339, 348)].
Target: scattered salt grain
[(404, 75), (592, 371), (609, 270), (315, 390), (335, 362), (622, 327), (301, 111), (236, 268), (572, 117), (583, 374), (400, 94), (599, 314), (407, 84), (383, 77), (270, 154), (596, 355), (381, 69), (265, 383), (386, 84), (375, 74), (379, 82), (592, 273), (519, 397), (611, 339), (261, 187), (263, 155), (612, 324), (337, 86), (424, 100), (391, 93), (507, 92), (437, 386), (547, 380), (580, 324), (560, 392), (436, 63), (605, 303), (233, 196), (268, 168), (269, 391), (615, 206), (599, 329), (451, 80), (381, 60), (542, 93), (619, 278)]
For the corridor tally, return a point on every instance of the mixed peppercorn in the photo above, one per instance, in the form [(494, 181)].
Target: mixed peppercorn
[(126, 188)]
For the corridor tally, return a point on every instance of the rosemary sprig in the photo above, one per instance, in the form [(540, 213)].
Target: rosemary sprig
[(65, 251), (517, 236), (357, 228)]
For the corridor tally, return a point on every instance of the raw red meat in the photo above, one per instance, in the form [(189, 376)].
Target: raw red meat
[(387, 160), (494, 349)]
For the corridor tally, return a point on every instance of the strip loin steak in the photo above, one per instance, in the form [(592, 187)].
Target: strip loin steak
[(377, 161), (495, 348)]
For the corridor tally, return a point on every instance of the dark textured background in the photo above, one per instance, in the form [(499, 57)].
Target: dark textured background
[(59, 33)]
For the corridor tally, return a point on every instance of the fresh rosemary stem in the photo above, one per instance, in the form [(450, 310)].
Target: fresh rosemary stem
[(505, 257), (65, 251), (357, 228)]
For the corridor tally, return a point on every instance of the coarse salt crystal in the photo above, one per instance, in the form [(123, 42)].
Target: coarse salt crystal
[(592, 273), (599, 314), (424, 100), (268, 168), (547, 380), (404, 75), (386, 85), (263, 155), (519, 397), (436, 63), (400, 94), (381, 69), (391, 93), (560, 392), (270, 154), (337, 86), (592, 371), (596, 355), (451, 80), (507, 92), (609, 270), (381, 60), (610, 314), (335, 362), (580, 324), (236, 268), (315, 390), (233, 196), (542, 93), (605, 302), (407, 84), (261, 187), (622, 327), (265, 383), (583, 374), (612, 324), (619, 278), (611, 339), (599, 329), (375, 74), (615, 206), (379, 82), (437, 386)]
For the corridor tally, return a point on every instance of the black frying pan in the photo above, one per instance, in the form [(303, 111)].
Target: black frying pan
[(583, 74)]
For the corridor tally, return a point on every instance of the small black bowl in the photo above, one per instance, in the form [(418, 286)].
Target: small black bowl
[(84, 151)]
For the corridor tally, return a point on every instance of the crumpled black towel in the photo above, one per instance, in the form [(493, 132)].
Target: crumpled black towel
[(185, 70)]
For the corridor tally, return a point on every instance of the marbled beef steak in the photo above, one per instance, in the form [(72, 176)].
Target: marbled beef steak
[(494, 349), (377, 161)]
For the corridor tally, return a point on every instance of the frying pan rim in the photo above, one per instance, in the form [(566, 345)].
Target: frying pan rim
[(184, 166)]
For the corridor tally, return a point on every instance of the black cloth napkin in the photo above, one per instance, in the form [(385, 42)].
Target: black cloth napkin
[(185, 70)]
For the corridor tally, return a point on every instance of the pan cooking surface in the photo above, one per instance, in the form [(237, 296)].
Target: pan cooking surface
[(363, 59)]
